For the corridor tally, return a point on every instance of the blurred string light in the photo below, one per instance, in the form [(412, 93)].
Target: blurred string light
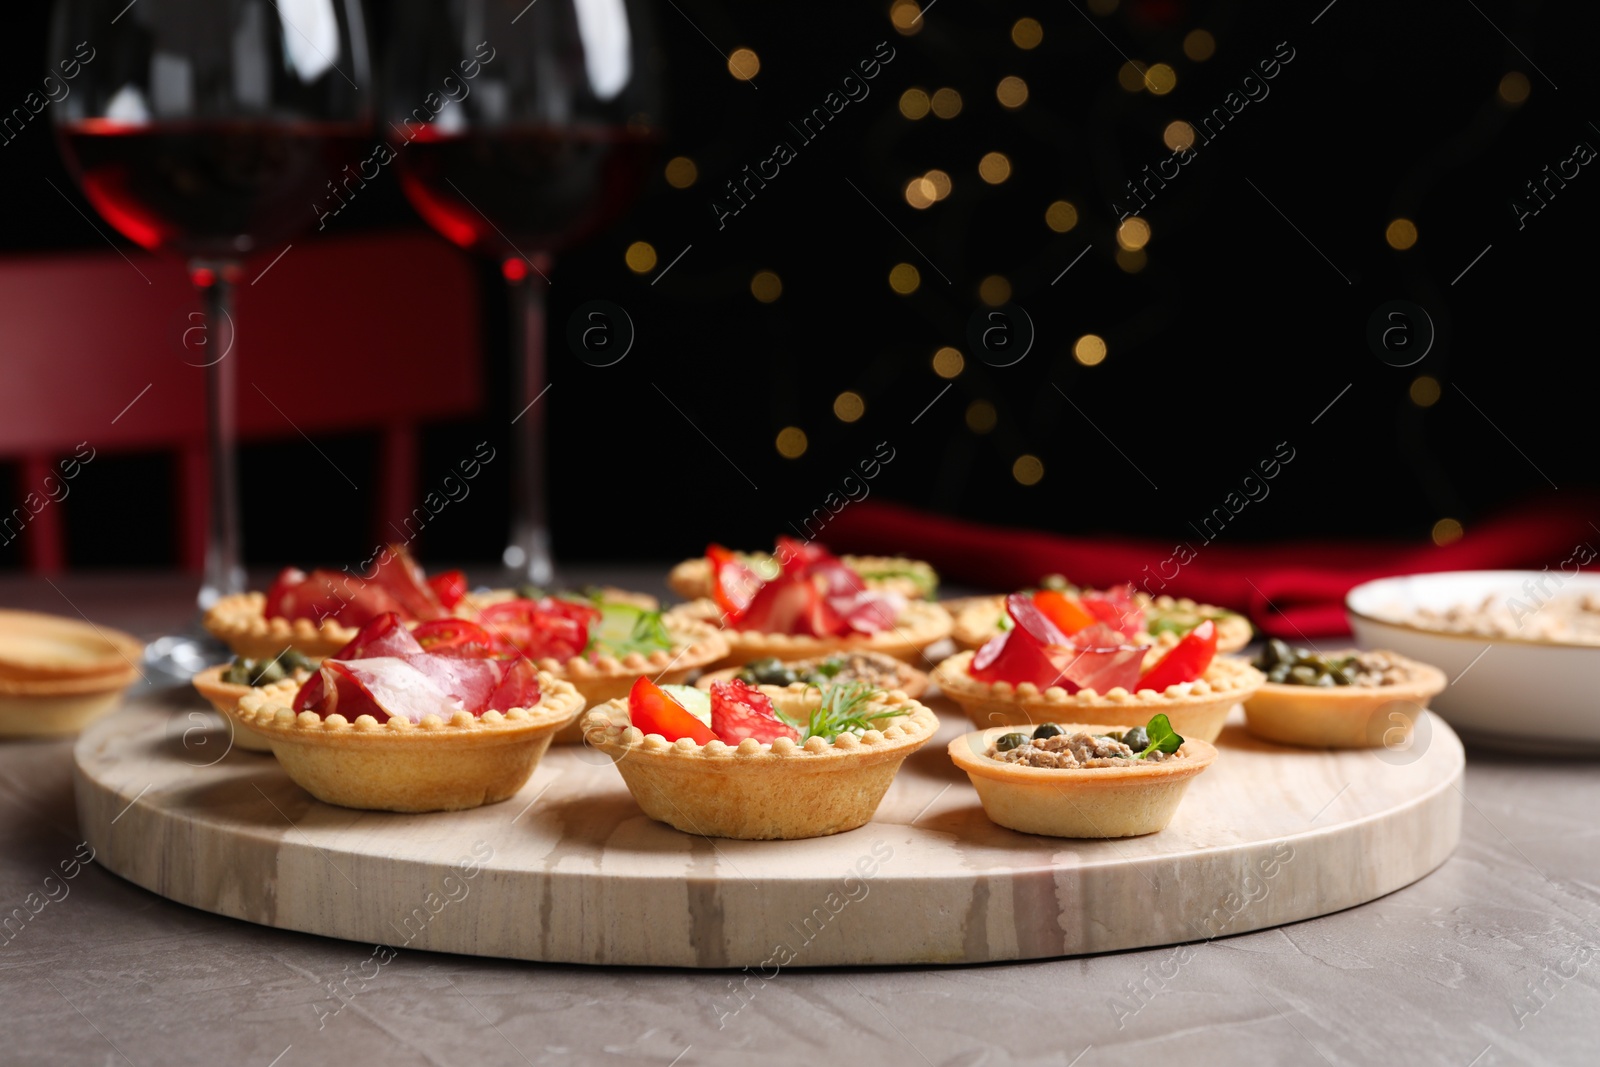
[(848, 406), (1131, 76), (1514, 87), (994, 290), (1026, 34), (1132, 261), (920, 193), (1012, 92), (1178, 136), (1090, 350), (914, 104), (1447, 531), (981, 416), (1027, 470), (1161, 79), (791, 442), (1401, 234), (994, 167), (906, 15), (1425, 391), (640, 257), (766, 286), (1199, 45), (948, 362), (681, 172), (940, 182), (904, 278), (744, 64), (1061, 216), (1133, 234), (946, 103)]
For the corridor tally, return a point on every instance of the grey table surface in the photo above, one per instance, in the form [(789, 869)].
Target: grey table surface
[(1492, 959)]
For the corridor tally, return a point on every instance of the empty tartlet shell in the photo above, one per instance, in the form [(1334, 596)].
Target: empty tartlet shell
[(60, 707), (398, 765), (1088, 802), (978, 620), (908, 680), (225, 696), (1343, 716), (754, 791), (240, 622), (696, 646), (920, 624), (691, 579), (35, 647), (1196, 709)]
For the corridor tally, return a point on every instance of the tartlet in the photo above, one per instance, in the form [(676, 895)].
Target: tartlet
[(757, 791), (1344, 716), (978, 619), (919, 625), (225, 696), (911, 578), (897, 675), (1197, 709), (399, 765), (58, 675), (1094, 802), (240, 622)]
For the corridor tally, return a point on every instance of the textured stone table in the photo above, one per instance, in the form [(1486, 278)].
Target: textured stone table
[(1490, 960)]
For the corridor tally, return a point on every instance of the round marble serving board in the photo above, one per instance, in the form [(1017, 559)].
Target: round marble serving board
[(570, 870)]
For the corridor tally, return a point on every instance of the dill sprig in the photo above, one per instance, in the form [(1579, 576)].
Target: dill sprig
[(842, 709)]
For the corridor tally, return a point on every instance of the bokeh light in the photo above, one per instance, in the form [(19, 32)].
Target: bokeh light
[(904, 278), (1061, 216), (792, 442), (848, 406), (994, 167), (981, 416), (914, 103), (640, 257), (994, 290), (1401, 234), (766, 286), (1446, 531), (744, 64), (1027, 470), (1026, 34), (1199, 45), (1012, 92), (681, 172), (948, 362), (1090, 350)]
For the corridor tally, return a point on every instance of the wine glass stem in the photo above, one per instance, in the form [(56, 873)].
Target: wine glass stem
[(527, 554), (224, 572)]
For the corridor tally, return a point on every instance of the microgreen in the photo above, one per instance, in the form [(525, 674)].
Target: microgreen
[(1163, 738), (842, 709)]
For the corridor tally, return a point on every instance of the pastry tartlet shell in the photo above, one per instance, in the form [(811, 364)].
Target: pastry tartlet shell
[(754, 791), (240, 622), (921, 624), (398, 765), (910, 681), (60, 707), (1087, 802), (1196, 709), (225, 696), (977, 622), (691, 579), (1343, 716)]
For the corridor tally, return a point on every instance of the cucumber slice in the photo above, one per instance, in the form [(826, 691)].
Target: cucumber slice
[(696, 702)]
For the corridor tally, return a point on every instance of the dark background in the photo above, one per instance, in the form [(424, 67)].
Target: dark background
[(1234, 336)]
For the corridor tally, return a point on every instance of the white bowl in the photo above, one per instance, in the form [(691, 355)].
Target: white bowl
[(1509, 691)]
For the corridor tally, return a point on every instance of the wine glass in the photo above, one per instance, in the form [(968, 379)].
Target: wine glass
[(208, 129), (519, 129)]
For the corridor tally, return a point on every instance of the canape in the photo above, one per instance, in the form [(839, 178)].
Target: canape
[(1077, 780), (813, 606), (1164, 620), (227, 683), (388, 724), (1342, 699), (759, 764), (1036, 672), (911, 578), (58, 675), (873, 668), (319, 613)]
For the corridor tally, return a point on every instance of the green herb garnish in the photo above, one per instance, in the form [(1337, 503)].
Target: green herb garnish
[(924, 577), (1182, 624), (625, 628), (1163, 738), (843, 709)]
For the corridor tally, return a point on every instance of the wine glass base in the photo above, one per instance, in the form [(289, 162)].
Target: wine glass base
[(179, 657)]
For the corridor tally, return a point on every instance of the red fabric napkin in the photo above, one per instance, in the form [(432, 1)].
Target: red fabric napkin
[(1291, 589)]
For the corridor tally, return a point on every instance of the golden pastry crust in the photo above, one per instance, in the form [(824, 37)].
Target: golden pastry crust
[(225, 696), (398, 765), (908, 679), (1196, 709), (240, 622), (978, 620), (35, 647), (1344, 716), (920, 624), (1091, 802), (691, 579), (59, 707), (754, 791)]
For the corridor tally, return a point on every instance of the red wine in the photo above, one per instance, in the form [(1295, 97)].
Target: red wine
[(212, 189), (520, 190)]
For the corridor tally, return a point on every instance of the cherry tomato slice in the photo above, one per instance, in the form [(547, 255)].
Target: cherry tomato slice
[(654, 712), (1068, 615), (450, 587), (549, 628), (1186, 661), (457, 637), (733, 585)]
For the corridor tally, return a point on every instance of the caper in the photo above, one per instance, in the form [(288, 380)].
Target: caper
[(769, 671), (295, 660), (1008, 742), (1137, 739), (1302, 674), (1049, 729), (1057, 582)]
